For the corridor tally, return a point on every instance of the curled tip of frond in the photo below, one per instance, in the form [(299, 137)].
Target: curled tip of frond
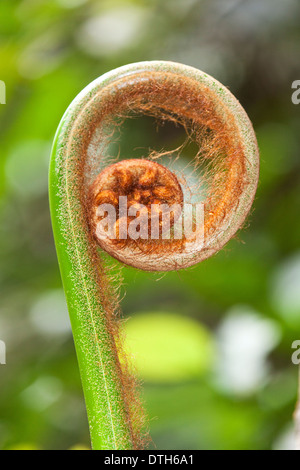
[(225, 168)]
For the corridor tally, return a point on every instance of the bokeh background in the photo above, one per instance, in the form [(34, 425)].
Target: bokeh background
[(212, 344)]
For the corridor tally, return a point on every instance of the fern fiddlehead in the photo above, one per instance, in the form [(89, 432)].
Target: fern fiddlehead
[(83, 175)]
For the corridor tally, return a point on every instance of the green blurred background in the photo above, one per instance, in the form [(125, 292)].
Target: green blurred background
[(212, 344)]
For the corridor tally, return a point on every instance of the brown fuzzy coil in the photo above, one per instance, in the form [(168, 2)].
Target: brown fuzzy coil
[(225, 180)]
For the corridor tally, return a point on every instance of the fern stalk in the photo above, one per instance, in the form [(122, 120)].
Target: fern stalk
[(96, 353)]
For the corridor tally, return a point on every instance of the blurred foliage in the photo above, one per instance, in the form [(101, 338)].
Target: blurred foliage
[(215, 340), (167, 347)]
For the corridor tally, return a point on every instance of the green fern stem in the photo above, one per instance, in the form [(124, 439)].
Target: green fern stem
[(84, 284)]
